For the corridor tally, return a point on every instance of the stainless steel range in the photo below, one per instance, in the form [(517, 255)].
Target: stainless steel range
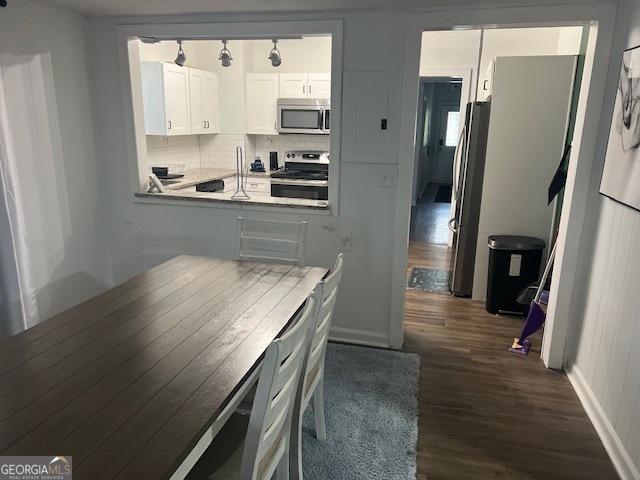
[(305, 175)]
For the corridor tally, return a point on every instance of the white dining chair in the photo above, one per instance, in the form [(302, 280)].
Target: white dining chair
[(271, 240), (266, 435), (312, 382)]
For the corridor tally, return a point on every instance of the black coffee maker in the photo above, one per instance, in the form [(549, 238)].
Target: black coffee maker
[(273, 161)]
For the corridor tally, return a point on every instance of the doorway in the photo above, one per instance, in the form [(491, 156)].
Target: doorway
[(437, 140)]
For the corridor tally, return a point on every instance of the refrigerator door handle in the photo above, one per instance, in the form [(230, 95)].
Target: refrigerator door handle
[(456, 165)]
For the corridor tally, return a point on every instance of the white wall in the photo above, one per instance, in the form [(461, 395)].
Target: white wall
[(603, 352), (45, 74), (309, 54), (451, 49), (460, 48), (511, 42), (144, 235), (525, 143)]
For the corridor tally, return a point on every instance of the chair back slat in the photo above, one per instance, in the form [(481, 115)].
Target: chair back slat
[(273, 240), (314, 368), (270, 420)]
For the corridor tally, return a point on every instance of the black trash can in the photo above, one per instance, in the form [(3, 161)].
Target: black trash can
[(514, 263)]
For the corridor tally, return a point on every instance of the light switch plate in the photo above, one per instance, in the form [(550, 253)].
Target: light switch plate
[(388, 176)]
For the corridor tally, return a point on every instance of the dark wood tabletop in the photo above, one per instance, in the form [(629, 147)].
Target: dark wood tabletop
[(127, 382)]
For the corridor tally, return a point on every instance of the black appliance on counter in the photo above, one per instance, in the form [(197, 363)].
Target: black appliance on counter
[(273, 161), (210, 186), (305, 175)]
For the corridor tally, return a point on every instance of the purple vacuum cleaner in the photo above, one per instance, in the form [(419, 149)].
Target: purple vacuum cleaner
[(537, 311)]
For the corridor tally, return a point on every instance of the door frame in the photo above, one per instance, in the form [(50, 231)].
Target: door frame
[(445, 74), (600, 20)]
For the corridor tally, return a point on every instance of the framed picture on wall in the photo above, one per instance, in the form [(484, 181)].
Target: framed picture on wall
[(621, 174)]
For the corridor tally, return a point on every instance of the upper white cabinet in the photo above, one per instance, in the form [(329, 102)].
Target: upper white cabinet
[(319, 85), (305, 85), (261, 103), (203, 89), (165, 93), (293, 85), (487, 84), (179, 100)]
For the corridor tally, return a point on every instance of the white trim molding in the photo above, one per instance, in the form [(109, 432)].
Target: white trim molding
[(612, 443), (358, 337), (601, 18)]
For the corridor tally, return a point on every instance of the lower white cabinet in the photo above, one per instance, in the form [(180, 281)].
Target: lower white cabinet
[(203, 90), (262, 103), (258, 184)]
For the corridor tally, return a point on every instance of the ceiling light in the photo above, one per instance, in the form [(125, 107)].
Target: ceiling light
[(181, 58), (225, 55), (274, 55)]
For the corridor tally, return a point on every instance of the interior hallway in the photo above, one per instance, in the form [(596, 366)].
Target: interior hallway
[(483, 412), (429, 218)]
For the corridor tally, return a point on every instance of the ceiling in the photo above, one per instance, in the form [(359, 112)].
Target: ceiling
[(158, 7)]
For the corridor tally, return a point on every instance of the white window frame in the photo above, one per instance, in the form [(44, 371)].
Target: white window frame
[(128, 53)]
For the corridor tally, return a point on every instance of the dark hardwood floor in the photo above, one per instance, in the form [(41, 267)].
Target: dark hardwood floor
[(483, 412), (429, 218)]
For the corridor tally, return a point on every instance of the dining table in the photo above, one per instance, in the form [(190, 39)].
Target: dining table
[(135, 382)]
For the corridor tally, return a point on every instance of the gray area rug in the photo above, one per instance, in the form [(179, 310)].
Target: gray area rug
[(372, 417), (428, 280)]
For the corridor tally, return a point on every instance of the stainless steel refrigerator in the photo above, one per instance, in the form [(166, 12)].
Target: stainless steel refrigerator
[(469, 172)]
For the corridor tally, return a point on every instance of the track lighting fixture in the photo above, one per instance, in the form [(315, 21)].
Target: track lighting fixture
[(274, 55), (181, 58), (225, 55)]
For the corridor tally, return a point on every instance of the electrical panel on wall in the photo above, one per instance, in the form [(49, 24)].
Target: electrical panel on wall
[(370, 126)]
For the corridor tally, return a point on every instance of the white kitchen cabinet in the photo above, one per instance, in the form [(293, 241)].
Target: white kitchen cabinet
[(319, 85), (165, 93), (203, 89), (293, 85), (258, 185), (487, 84), (261, 103), (305, 85)]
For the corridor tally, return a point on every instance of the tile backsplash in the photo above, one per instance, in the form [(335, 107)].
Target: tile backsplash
[(175, 149), (282, 143), (219, 151)]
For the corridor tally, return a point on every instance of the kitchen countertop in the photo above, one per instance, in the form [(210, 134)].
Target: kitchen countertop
[(194, 176), (184, 190)]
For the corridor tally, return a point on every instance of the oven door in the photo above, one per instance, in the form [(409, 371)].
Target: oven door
[(310, 189), (300, 119)]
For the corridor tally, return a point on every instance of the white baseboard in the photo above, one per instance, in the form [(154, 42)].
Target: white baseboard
[(612, 444), (359, 337)]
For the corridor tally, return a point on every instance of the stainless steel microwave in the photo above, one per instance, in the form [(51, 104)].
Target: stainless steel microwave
[(304, 115)]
